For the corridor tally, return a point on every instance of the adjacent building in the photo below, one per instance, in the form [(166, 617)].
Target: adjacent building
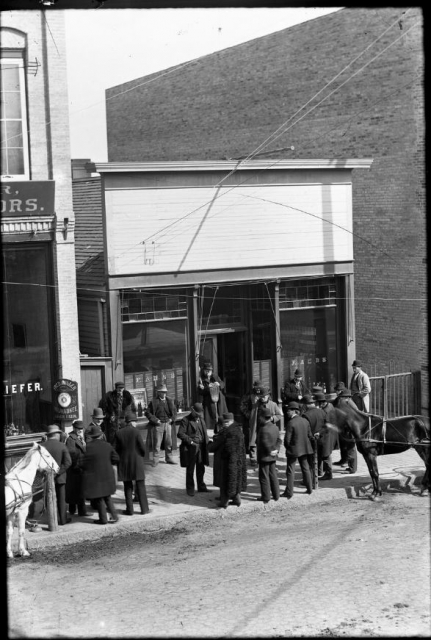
[(345, 85), (41, 374)]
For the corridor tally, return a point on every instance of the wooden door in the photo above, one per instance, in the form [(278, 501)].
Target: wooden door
[(93, 389)]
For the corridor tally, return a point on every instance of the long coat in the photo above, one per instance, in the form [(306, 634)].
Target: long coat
[(74, 490), (316, 417), (212, 410), (298, 439), (129, 445), (186, 433), (218, 461), (98, 473), (233, 471), (61, 455), (291, 392)]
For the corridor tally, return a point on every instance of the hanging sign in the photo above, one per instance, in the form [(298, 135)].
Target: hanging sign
[(66, 400)]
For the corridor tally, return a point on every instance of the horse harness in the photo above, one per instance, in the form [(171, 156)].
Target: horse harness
[(425, 442), (19, 497)]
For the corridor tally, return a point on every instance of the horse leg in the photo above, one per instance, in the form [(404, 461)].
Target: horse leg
[(9, 535), (22, 517), (424, 454), (371, 460)]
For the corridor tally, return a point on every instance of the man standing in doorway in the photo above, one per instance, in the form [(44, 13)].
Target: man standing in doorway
[(360, 387), (114, 405), (161, 414)]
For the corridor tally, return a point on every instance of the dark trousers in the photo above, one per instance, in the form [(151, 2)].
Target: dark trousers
[(290, 473), (102, 505), (324, 463), (60, 493), (195, 462), (82, 509), (348, 454), (141, 493), (269, 481)]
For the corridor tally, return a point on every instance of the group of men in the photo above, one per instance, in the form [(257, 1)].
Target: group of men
[(87, 457)]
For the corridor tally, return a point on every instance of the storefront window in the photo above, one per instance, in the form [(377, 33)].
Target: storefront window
[(154, 353), (308, 338), (262, 319), (28, 336)]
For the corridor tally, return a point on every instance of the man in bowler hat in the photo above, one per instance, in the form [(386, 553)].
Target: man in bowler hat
[(299, 444), (98, 475), (74, 493), (97, 418), (268, 445), (130, 447), (161, 414), (61, 455), (115, 404), (194, 448)]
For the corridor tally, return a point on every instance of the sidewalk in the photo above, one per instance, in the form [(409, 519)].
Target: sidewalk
[(171, 506)]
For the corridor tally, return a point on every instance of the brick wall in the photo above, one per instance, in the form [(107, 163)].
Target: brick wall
[(226, 104)]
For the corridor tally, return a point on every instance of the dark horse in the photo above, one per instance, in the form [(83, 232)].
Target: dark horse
[(375, 436)]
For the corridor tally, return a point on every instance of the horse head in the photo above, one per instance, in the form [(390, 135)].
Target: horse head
[(46, 461)]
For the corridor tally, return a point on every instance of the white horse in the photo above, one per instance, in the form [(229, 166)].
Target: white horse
[(18, 492)]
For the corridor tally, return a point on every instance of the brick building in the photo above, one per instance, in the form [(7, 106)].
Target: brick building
[(345, 85), (41, 373)]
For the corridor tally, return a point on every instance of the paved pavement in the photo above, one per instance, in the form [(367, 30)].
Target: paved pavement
[(170, 505)]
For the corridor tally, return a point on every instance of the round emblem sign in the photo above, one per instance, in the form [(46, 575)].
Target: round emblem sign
[(64, 399)]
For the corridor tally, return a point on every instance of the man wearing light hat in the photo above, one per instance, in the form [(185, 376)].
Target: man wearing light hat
[(360, 387), (194, 448), (61, 455), (161, 414)]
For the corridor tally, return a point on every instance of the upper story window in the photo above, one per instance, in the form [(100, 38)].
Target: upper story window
[(14, 139)]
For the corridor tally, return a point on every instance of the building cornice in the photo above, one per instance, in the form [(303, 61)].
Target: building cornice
[(228, 165)]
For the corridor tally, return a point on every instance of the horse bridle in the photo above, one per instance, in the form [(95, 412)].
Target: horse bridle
[(20, 498)]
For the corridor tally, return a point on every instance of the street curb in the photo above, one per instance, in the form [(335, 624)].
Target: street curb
[(356, 490)]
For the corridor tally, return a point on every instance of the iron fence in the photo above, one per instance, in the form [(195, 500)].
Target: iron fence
[(394, 395)]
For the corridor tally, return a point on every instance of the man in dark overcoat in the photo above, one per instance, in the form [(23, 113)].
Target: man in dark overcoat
[(316, 417), (194, 448), (161, 414), (233, 475), (61, 455), (211, 392), (326, 440), (294, 390), (115, 404), (347, 442), (299, 445), (74, 491), (98, 475), (248, 401), (130, 447), (97, 420), (268, 445)]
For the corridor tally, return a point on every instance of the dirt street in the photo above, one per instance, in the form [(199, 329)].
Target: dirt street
[(347, 568)]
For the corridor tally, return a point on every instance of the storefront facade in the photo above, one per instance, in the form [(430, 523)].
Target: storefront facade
[(250, 268), (40, 335)]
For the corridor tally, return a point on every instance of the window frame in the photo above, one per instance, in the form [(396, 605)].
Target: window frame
[(18, 57)]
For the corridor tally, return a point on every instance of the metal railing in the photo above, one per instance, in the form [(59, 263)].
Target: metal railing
[(394, 395)]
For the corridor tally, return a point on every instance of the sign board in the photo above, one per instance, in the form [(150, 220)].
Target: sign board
[(30, 198), (66, 400)]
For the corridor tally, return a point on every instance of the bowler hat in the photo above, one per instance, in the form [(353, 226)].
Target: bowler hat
[(262, 391), (94, 432), (130, 417), (266, 413), (98, 413), (162, 387), (319, 396), (78, 424), (257, 383), (308, 399), (316, 389), (208, 365), (298, 373), (339, 386), (345, 393), (53, 428), (292, 405), (119, 384), (356, 363), (198, 408), (228, 416)]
